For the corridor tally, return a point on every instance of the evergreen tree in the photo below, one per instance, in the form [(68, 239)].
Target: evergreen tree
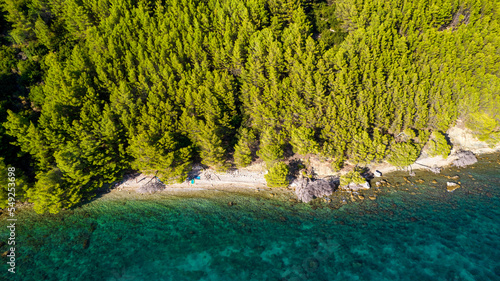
[(271, 147), (303, 142), (211, 151), (438, 145), (244, 149), (277, 175), (91, 89), (403, 154)]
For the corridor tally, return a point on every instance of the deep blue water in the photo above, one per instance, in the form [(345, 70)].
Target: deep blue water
[(423, 233)]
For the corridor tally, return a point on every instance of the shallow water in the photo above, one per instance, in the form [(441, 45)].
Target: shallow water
[(423, 233)]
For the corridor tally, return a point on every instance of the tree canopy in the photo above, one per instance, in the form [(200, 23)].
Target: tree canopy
[(93, 89)]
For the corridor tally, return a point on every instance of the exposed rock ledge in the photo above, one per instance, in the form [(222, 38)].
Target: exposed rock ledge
[(464, 158), (307, 189)]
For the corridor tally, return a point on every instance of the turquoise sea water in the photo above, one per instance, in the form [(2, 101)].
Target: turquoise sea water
[(423, 233)]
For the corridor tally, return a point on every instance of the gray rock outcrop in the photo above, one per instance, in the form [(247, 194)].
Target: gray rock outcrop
[(464, 158), (307, 189)]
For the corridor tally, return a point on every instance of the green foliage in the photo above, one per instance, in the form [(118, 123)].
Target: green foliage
[(423, 136), (360, 149), (380, 144), (327, 24), (212, 153), (352, 177), (438, 145), (52, 193), (485, 127), (303, 141), (277, 175), (160, 157), (271, 147), (243, 150), (338, 163), (403, 154), (93, 90)]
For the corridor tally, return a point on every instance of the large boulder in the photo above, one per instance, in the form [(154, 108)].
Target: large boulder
[(307, 189), (357, 186), (464, 158), (451, 186)]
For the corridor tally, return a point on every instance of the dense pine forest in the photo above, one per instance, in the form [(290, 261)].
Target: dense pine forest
[(93, 89)]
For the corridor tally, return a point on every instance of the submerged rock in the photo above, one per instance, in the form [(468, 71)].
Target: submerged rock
[(464, 158), (451, 186), (358, 186)]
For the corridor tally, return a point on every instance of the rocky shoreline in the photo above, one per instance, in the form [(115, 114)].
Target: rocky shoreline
[(323, 182)]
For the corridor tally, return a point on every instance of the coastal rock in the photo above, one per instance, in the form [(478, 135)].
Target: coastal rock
[(451, 186), (464, 158), (307, 189), (356, 186), (377, 173), (435, 170)]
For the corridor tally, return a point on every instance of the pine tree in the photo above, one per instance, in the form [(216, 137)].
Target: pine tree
[(277, 175), (244, 149), (211, 151), (303, 142), (438, 145), (52, 193), (403, 154), (271, 147)]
